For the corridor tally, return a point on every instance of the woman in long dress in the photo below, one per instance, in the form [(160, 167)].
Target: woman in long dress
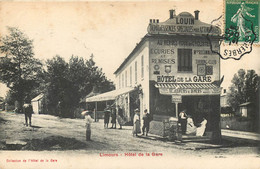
[(120, 117), (201, 129), (113, 118), (136, 121), (106, 116), (191, 128)]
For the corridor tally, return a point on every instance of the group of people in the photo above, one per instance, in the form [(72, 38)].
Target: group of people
[(188, 127), (115, 114), (108, 112), (137, 125)]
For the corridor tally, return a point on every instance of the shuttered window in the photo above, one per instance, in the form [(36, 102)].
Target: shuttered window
[(184, 60)]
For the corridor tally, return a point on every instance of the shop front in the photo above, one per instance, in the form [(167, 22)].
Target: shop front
[(201, 101), (184, 72)]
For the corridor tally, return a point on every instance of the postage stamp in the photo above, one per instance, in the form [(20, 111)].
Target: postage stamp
[(240, 28), (241, 21)]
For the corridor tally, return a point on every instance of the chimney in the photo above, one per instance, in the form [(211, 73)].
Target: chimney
[(172, 13), (151, 21), (157, 20), (197, 14)]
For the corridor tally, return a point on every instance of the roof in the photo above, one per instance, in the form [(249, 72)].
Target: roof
[(131, 54), (109, 95), (245, 104), (37, 98)]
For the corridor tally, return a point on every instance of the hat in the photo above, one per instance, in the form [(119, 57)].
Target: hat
[(137, 110), (85, 112)]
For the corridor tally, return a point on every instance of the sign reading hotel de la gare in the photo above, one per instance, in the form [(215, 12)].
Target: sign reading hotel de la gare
[(164, 51)]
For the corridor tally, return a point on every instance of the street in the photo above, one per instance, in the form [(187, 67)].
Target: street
[(54, 136), (54, 133)]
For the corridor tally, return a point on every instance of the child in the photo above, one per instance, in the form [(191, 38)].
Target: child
[(88, 120)]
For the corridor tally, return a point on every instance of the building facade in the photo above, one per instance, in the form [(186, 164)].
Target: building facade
[(173, 68)]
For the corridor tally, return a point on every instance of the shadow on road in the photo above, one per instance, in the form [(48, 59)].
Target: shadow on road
[(54, 143), (2, 120), (37, 127), (48, 143)]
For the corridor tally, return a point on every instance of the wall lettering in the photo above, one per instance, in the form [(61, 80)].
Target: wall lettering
[(163, 61), (174, 79), (203, 61), (162, 51), (186, 21)]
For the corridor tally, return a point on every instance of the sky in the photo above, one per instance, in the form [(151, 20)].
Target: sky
[(110, 30)]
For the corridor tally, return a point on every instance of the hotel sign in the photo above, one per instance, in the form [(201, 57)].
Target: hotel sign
[(184, 23), (194, 91)]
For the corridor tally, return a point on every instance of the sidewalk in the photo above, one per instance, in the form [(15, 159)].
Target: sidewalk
[(240, 134)]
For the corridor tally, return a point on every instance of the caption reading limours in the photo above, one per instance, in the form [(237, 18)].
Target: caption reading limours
[(130, 154)]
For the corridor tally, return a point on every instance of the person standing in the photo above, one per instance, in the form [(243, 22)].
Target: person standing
[(136, 121), (28, 111), (88, 120), (146, 119), (120, 116), (106, 116), (183, 121), (113, 117)]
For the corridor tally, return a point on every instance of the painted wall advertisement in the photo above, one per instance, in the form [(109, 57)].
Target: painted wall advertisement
[(169, 65)]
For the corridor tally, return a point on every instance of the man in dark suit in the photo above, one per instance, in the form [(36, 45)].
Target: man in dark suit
[(27, 109)]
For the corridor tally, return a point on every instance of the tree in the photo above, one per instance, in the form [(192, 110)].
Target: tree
[(58, 87), (68, 83), (243, 88), (18, 68), (98, 78)]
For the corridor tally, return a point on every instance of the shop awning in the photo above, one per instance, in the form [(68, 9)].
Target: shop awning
[(109, 95), (188, 88)]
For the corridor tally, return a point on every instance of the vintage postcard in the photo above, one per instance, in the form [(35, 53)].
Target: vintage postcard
[(129, 84)]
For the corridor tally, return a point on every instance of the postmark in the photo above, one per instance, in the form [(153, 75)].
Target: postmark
[(240, 29)]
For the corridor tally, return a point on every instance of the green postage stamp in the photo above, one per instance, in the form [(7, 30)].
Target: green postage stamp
[(241, 21), (240, 28)]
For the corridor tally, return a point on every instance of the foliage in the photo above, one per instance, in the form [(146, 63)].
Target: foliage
[(18, 68), (69, 83), (243, 88), (226, 110)]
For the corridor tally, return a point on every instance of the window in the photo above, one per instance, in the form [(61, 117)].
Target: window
[(125, 78), (142, 66), (131, 76), (185, 60), (135, 71), (119, 84)]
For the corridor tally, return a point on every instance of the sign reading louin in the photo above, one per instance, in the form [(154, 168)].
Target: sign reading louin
[(184, 23)]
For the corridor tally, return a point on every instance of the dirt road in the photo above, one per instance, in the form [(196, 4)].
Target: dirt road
[(54, 135)]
